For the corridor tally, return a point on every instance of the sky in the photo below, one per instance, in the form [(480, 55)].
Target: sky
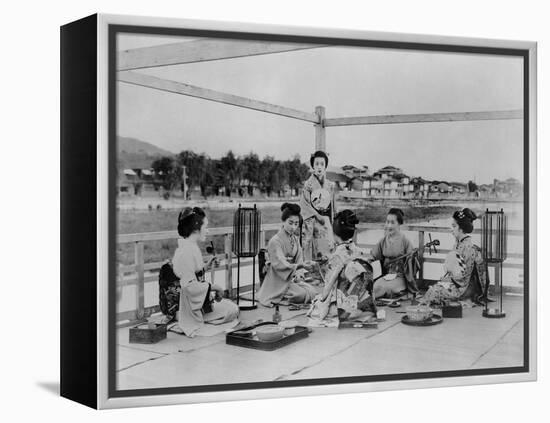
[(347, 81)]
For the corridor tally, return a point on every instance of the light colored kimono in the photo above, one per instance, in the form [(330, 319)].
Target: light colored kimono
[(317, 198), (457, 276), (189, 267), (285, 255)]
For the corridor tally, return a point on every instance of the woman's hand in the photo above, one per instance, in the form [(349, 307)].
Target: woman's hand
[(214, 261), (218, 292)]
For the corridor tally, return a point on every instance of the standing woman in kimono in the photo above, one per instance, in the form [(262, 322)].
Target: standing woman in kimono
[(286, 271), (393, 245), (196, 306), (317, 203), (459, 263)]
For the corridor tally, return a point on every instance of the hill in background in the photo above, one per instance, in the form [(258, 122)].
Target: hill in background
[(137, 154)]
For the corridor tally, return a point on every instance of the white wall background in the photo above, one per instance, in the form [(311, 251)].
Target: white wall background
[(29, 95)]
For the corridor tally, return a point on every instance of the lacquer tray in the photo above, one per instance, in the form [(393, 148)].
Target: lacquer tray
[(244, 338)]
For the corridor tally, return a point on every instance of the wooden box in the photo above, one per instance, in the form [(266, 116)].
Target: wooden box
[(143, 334), (452, 310)]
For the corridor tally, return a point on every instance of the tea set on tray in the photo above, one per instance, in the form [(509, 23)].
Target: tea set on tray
[(421, 315), (268, 336), (275, 332)]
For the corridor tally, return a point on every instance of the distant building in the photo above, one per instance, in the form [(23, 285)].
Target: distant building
[(339, 177), (458, 188), (387, 172), (420, 187), (137, 181), (392, 182), (355, 172), (511, 187)]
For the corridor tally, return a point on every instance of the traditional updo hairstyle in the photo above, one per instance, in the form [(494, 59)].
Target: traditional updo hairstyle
[(288, 210), (344, 224), (320, 154), (190, 220), (465, 220), (398, 213)]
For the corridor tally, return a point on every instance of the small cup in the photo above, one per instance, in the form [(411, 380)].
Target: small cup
[(289, 331), (289, 327)]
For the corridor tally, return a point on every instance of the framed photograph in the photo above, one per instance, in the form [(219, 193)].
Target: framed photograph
[(253, 211)]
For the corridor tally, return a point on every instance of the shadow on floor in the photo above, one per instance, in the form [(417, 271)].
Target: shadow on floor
[(51, 387)]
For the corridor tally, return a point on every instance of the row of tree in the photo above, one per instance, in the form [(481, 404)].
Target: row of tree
[(230, 173)]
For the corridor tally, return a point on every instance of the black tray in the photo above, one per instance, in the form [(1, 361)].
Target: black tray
[(434, 320), (240, 339)]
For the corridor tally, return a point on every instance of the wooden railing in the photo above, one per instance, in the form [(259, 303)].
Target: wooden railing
[(138, 269)]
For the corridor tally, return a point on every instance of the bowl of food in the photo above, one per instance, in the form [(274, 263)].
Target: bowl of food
[(269, 333), (289, 327), (419, 313)]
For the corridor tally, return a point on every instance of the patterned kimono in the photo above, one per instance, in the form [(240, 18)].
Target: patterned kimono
[(285, 255), (386, 250), (458, 274), (347, 278), (195, 307), (317, 198)]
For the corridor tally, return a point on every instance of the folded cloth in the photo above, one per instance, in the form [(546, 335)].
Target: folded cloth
[(327, 322)]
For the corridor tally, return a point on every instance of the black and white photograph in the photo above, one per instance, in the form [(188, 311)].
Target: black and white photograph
[(293, 211), (280, 211)]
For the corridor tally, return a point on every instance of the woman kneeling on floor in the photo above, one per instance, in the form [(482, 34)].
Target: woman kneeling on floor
[(393, 251), (348, 291), (196, 306), (459, 264), (284, 278)]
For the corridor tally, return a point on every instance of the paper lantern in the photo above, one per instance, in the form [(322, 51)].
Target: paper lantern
[(247, 224), (494, 233)]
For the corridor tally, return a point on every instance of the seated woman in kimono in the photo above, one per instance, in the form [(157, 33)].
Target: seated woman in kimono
[(196, 306), (317, 204), (388, 250), (459, 264), (346, 292), (284, 278)]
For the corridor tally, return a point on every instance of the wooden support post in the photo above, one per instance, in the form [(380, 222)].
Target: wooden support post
[(262, 239), (140, 286), (421, 243), (320, 132), (228, 267), (213, 274), (119, 283)]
